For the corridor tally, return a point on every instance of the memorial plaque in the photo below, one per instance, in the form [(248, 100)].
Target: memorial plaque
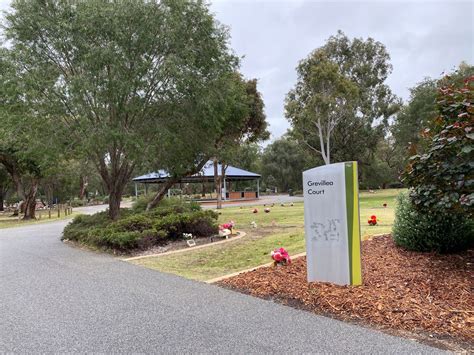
[(332, 223)]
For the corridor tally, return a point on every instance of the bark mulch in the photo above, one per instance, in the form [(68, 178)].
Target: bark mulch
[(423, 293)]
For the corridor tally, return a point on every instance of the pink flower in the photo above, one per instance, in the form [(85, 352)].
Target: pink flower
[(281, 256), (229, 225)]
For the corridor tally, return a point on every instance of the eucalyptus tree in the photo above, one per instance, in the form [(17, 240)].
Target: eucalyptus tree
[(340, 105), (132, 82), (282, 163), (251, 128), (27, 146), (224, 107)]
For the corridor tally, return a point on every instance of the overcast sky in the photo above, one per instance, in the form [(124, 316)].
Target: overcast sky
[(423, 38)]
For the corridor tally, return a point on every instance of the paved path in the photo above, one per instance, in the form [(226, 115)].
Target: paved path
[(55, 298)]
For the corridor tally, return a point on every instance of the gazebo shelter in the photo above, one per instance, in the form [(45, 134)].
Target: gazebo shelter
[(231, 181)]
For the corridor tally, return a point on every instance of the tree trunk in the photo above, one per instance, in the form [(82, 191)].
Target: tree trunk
[(217, 180), (321, 143), (115, 198), (83, 182), (1, 199), (115, 176), (161, 194), (30, 200), (223, 179)]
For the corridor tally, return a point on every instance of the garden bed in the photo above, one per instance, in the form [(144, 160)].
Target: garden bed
[(429, 295)]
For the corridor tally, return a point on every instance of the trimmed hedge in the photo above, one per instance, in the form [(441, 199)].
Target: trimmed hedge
[(417, 230), (142, 230)]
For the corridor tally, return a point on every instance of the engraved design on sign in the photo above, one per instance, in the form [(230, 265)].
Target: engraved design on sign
[(326, 232)]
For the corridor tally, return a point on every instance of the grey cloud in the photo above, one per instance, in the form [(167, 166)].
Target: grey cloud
[(424, 38)]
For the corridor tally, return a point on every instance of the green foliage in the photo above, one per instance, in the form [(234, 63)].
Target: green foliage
[(424, 230), (416, 116), (442, 179), (282, 164), (176, 204), (341, 104), (127, 82), (419, 115), (437, 216), (138, 229)]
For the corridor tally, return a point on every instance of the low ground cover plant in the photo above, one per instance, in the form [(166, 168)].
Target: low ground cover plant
[(140, 229)]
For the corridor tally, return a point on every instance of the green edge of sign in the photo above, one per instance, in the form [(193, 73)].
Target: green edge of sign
[(353, 227)]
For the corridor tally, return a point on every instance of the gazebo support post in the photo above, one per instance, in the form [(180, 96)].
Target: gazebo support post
[(225, 190), (136, 190), (258, 188)]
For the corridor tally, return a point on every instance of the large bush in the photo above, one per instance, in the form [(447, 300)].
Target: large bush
[(437, 216), (423, 230), (142, 229), (442, 179)]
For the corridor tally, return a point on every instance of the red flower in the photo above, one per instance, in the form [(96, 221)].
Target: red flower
[(372, 221), (281, 256)]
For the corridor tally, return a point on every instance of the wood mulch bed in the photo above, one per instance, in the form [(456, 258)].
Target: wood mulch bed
[(429, 295)]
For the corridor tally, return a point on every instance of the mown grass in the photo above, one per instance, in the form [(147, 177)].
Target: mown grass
[(6, 221), (283, 226)]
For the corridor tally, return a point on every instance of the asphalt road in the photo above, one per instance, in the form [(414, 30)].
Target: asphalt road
[(55, 298)]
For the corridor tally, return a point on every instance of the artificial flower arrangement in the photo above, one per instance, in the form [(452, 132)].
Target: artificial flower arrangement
[(372, 221), (280, 257), (230, 225)]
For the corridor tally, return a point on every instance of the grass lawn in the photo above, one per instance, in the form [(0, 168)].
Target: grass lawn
[(283, 226), (7, 222)]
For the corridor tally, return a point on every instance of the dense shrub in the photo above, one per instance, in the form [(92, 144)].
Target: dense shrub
[(442, 179), (140, 204), (437, 215), (424, 230), (199, 223), (78, 203), (142, 229)]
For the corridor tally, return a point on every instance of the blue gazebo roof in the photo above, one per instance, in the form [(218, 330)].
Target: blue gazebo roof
[(206, 174)]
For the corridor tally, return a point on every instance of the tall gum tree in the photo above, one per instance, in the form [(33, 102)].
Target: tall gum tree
[(112, 72), (251, 128), (340, 105)]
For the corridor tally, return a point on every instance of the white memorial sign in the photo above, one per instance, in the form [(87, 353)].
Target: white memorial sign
[(332, 223)]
